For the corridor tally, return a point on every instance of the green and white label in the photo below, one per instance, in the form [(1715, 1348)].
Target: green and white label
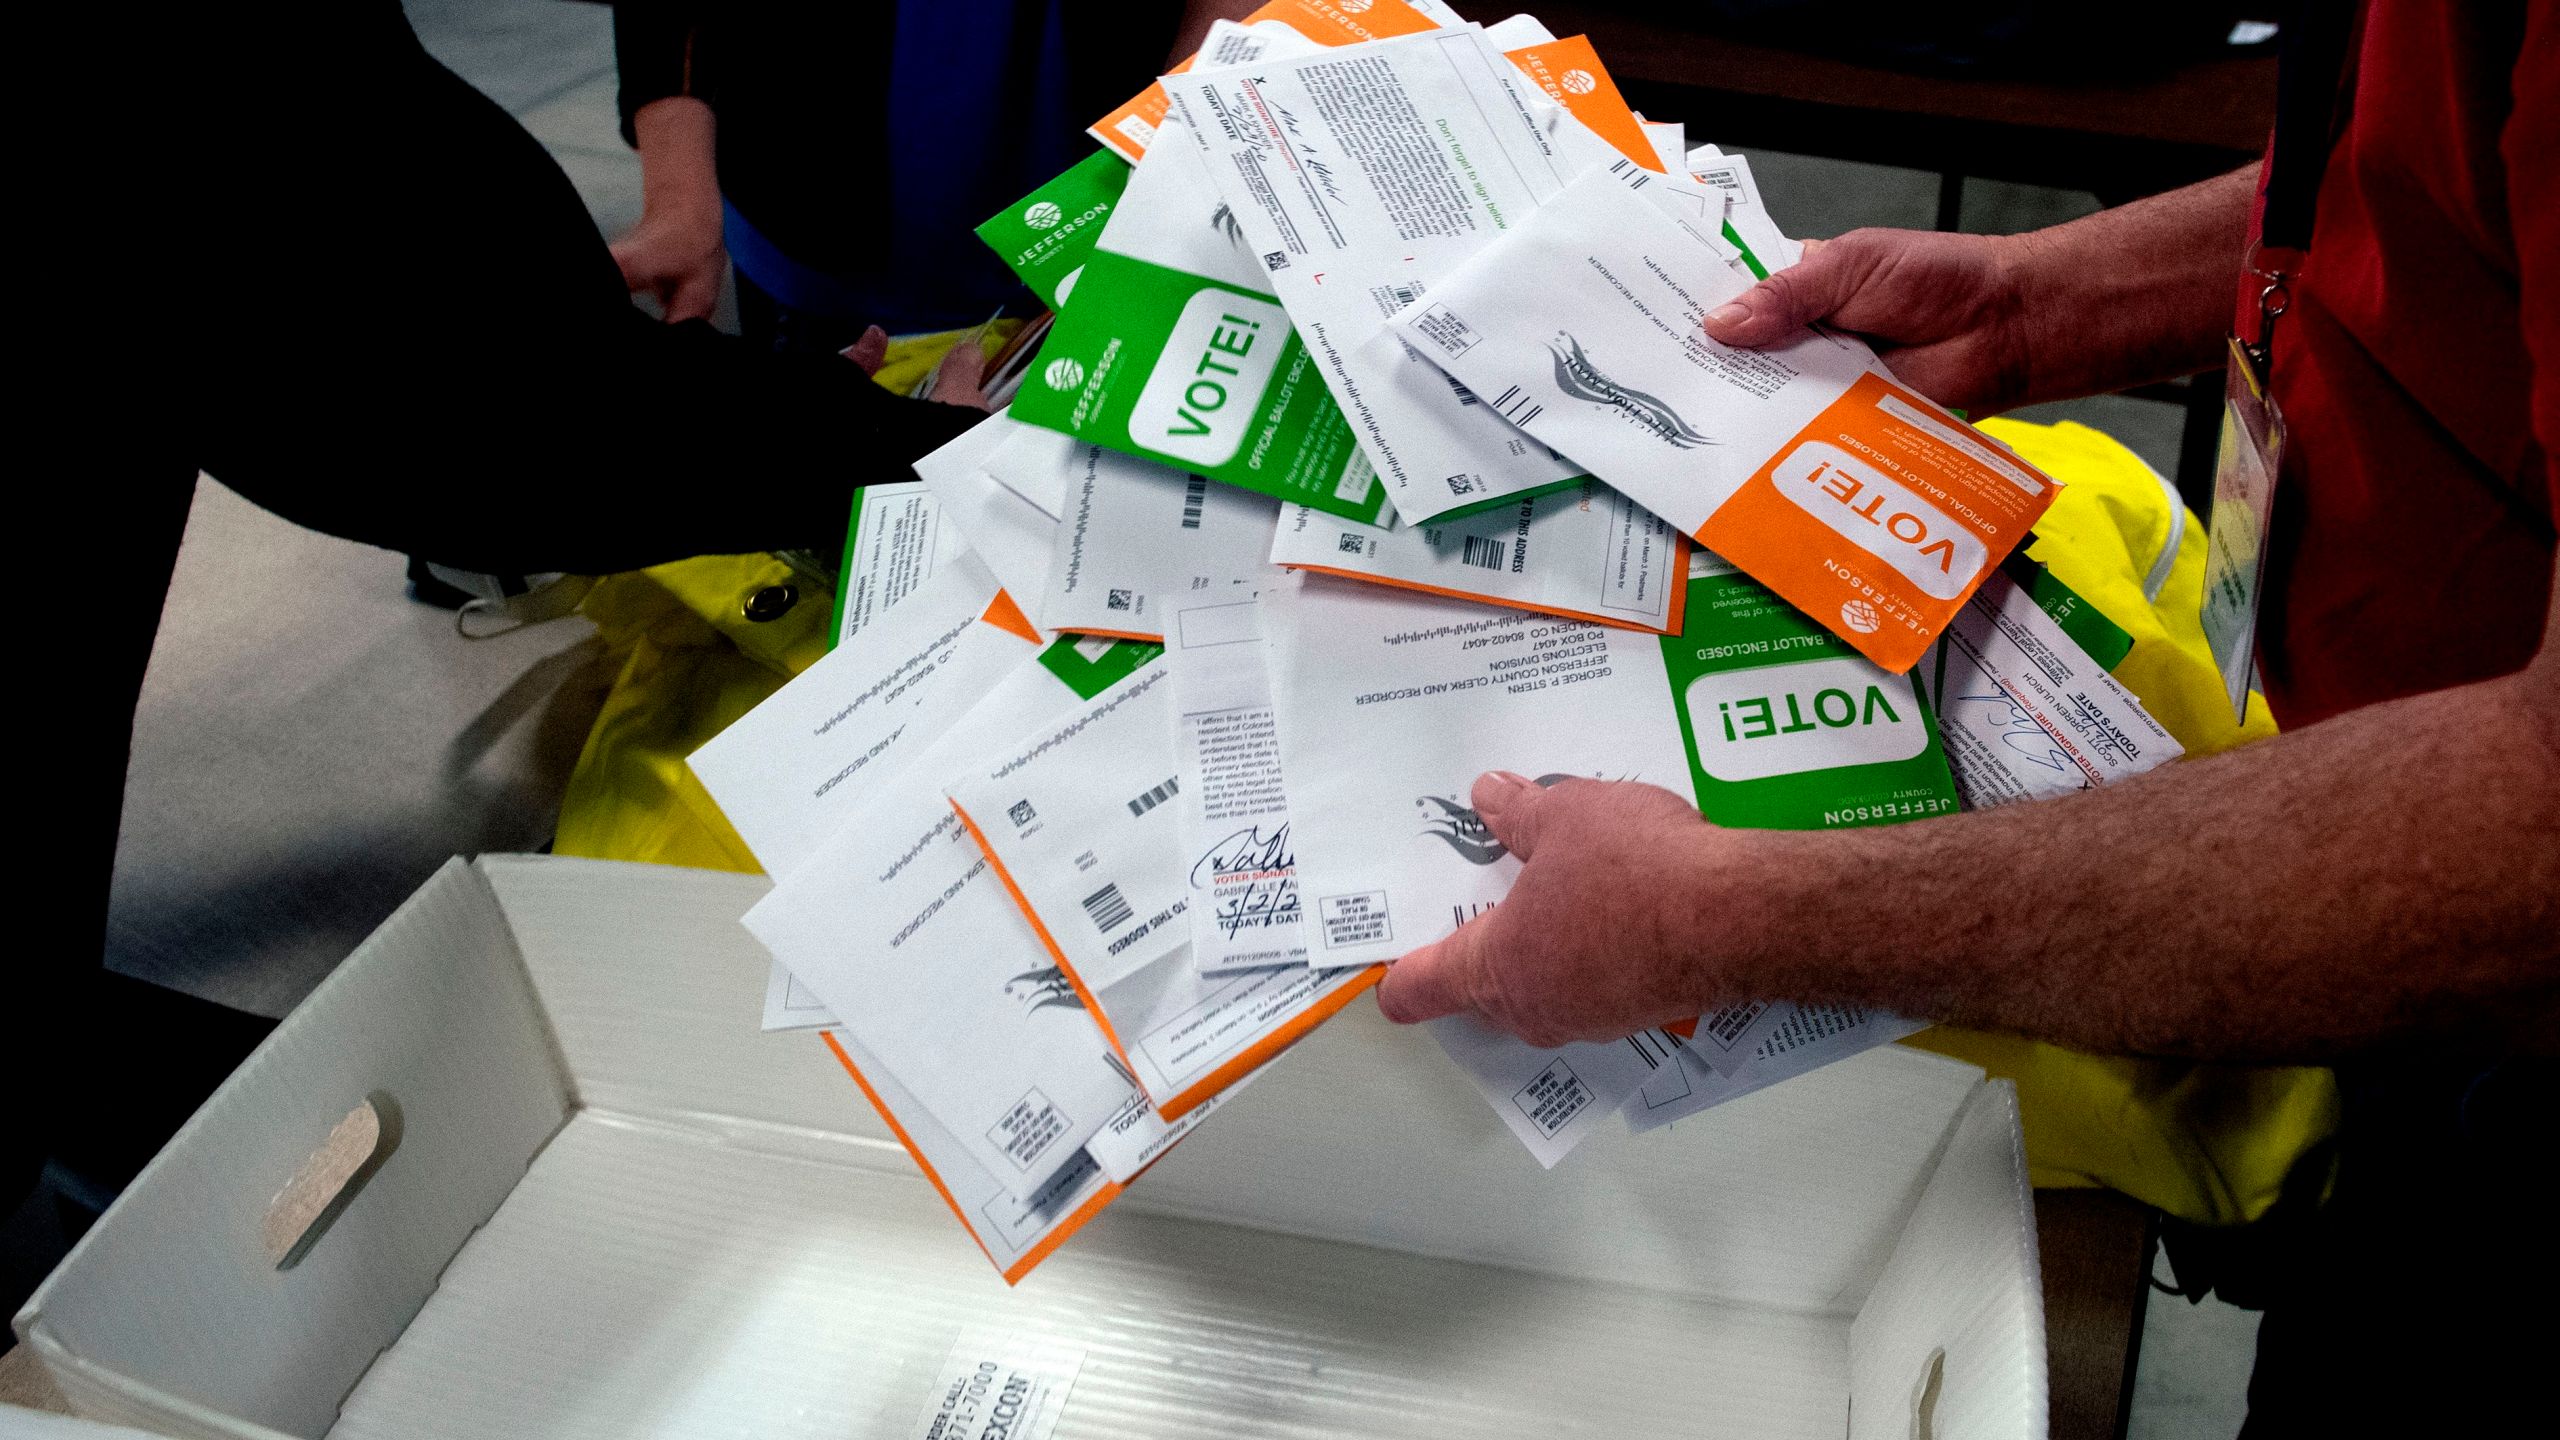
[(1200, 412), (1787, 727), (1201, 375), (1046, 236)]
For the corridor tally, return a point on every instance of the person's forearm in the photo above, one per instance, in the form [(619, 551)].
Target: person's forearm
[(2391, 875), (2139, 293), (679, 169)]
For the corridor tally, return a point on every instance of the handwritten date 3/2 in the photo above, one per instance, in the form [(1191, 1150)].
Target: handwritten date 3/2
[(1252, 878)]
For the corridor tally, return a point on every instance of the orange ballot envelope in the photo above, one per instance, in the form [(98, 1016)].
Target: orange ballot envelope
[(1854, 497)]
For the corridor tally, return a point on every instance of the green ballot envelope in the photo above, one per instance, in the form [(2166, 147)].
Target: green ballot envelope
[(1173, 349), (1787, 727), (1046, 236)]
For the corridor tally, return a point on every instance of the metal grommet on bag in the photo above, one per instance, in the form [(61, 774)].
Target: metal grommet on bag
[(771, 602)]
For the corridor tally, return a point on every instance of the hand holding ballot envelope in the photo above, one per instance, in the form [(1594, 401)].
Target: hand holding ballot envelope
[(1634, 858), (1943, 310), (1507, 618)]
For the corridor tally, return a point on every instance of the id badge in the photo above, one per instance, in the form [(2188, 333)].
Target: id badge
[(2245, 467)]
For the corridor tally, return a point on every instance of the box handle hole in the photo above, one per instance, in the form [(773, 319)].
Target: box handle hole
[(326, 1181)]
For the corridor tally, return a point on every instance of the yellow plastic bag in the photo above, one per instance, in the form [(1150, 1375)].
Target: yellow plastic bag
[(699, 643), (692, 659), (2211, 1144)]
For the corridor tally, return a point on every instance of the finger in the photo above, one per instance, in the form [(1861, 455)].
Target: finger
[(1793, 298), (691, 298), (961, 368), (870, 352), (956, 378), (1510, 805), (1436, 980)]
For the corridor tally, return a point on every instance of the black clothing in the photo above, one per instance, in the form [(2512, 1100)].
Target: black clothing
[(809, 97), (327, 272), (434, 351)]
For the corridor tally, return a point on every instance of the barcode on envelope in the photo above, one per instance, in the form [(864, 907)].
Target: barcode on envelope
[(1516, 406), (1484, 552), (1108, 910), (1195, 496), (1649, 1048), (1155, 797)]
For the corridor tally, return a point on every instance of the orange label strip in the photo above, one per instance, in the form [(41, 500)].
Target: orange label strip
[(1569, 70)]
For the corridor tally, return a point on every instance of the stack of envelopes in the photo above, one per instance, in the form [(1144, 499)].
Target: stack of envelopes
[(1374, 443)]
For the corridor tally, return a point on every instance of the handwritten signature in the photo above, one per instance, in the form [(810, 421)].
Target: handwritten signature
[(1253, 876), (2020, 732), (1244, 852)]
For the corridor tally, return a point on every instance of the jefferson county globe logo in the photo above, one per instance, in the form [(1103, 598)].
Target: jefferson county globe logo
[(1353, 7), (1860, 616), (1577, 82), (1042, 215), (1066, 374)]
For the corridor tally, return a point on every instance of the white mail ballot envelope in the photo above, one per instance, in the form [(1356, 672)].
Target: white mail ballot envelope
[(1281, 27), (1233, 808), (1724, 1039), (897, 540), (1799, 1039), (1073, 811), (1391, 703), (1136, 536), (1191, 1038), (1032, 463), (1089, 849), (1016, 1232), (1584, 552), (1857, 499), (788, 772), (1670, 141), (2027, 713), (1746, 218), (900, 926), (1360, 177), (1010, 535), (1551, 1100)]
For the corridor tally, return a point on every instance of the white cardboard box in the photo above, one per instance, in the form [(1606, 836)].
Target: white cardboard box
[(615, 1208)]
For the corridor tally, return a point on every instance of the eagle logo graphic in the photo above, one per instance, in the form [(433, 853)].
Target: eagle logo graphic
[(1460, 828), (1224, 221), (1038, 990), (1576, 376)]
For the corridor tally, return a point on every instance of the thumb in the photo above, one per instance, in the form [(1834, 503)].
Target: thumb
[(1438, 979), (870, 352), (692, 297), (1789, 299), (955, 380), (1510, 806)]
